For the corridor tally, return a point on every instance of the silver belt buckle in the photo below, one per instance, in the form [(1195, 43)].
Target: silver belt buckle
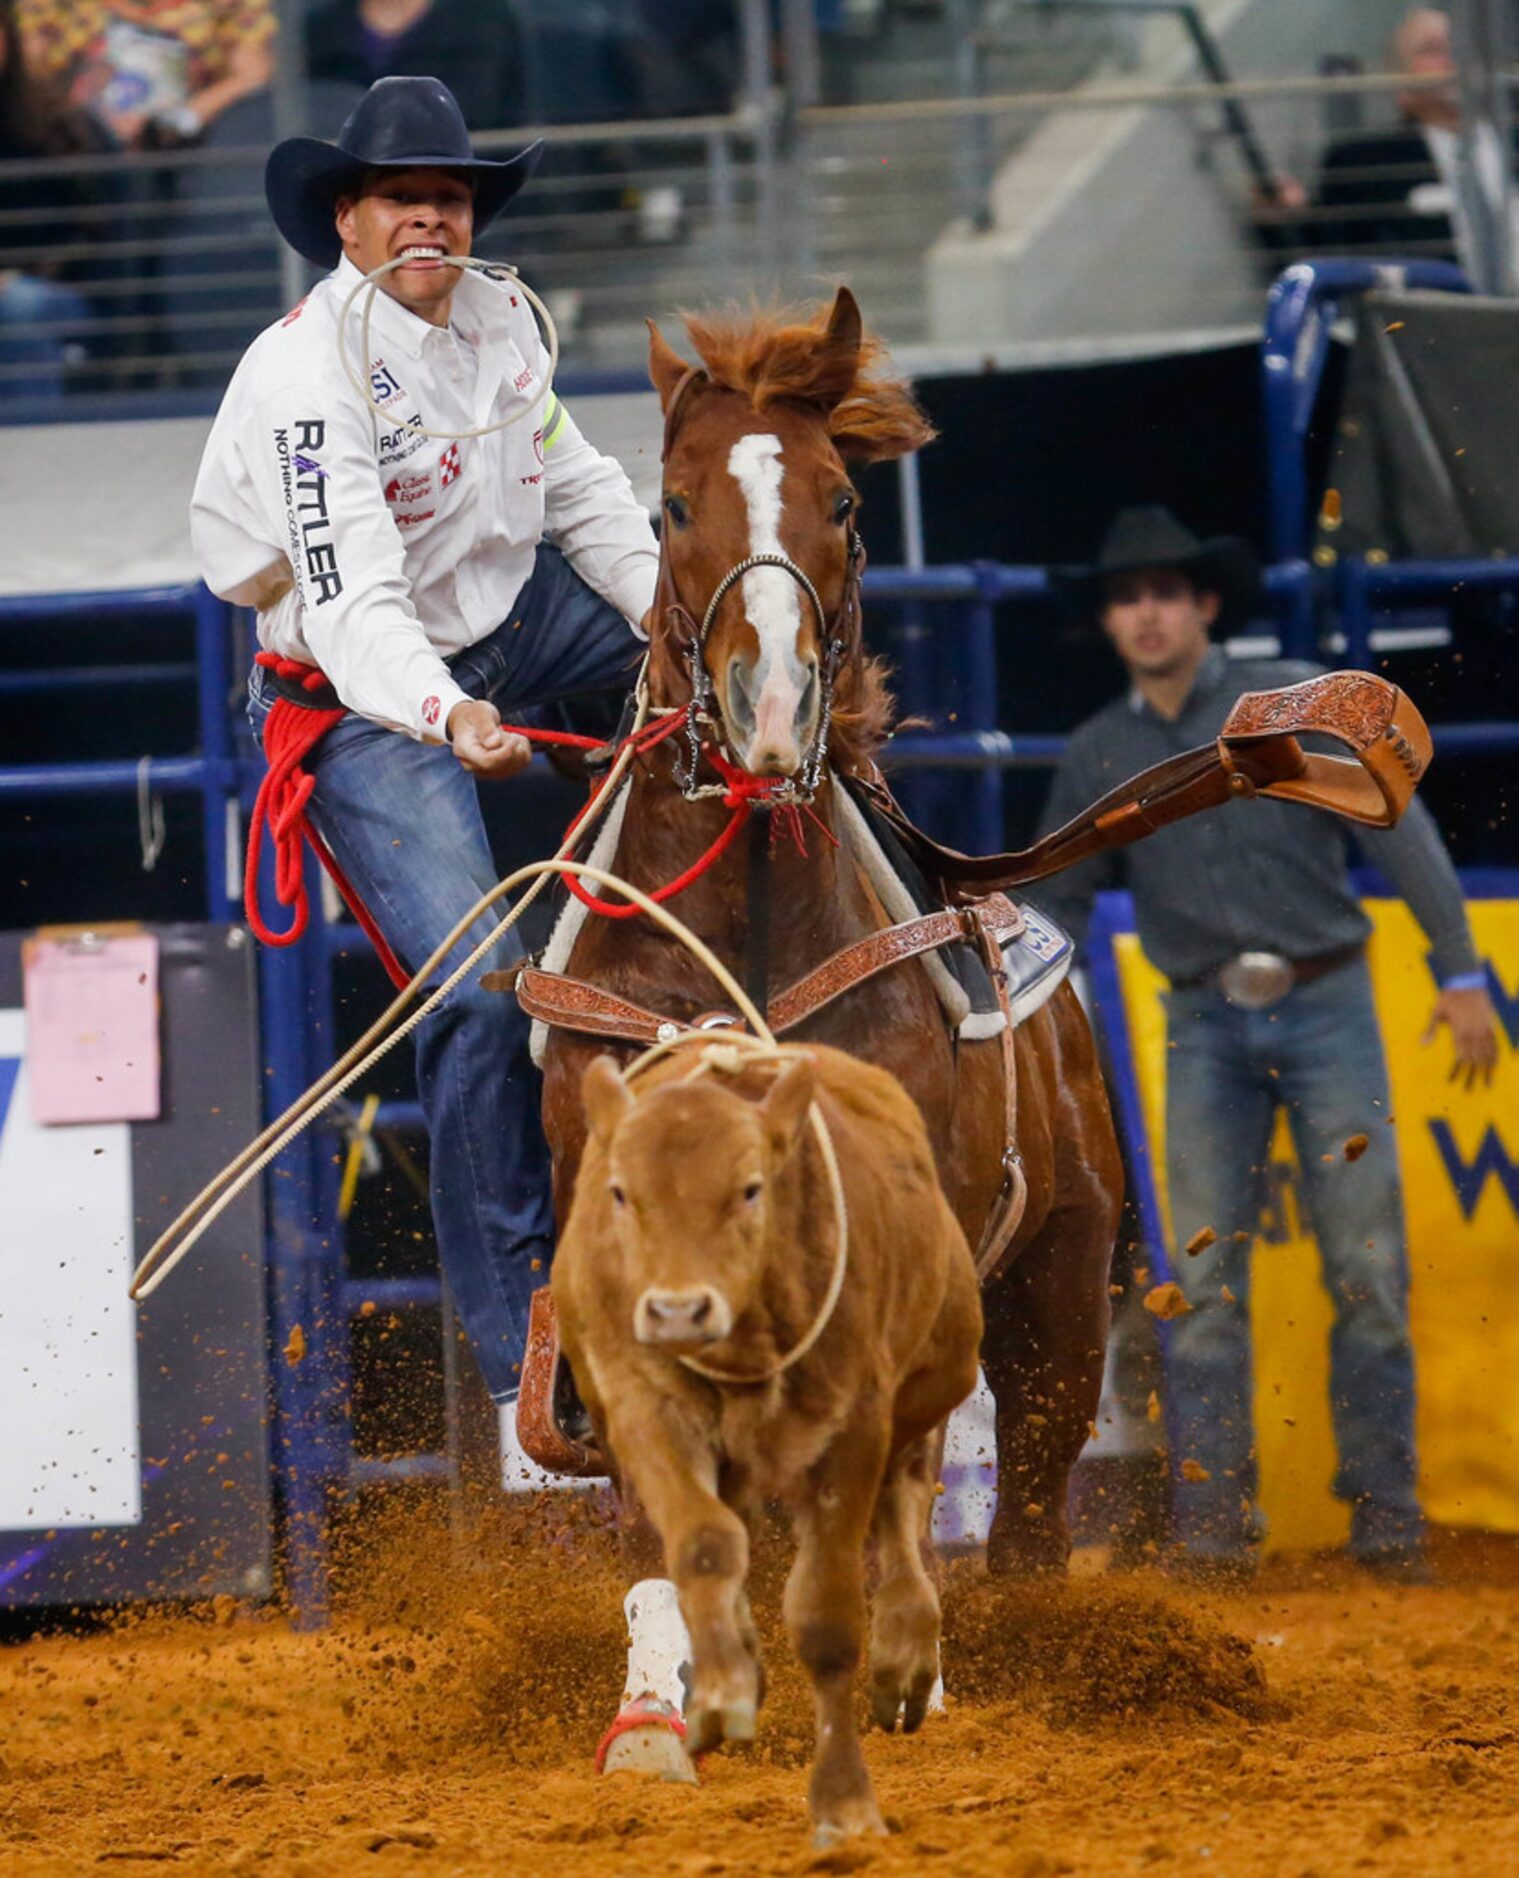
[(1254, 981)]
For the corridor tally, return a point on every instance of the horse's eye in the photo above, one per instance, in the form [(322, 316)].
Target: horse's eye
[(843, 506), (752, 1191), (619, 1198), (677, 511)]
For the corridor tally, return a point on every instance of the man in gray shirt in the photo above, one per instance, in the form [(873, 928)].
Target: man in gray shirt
[(1249, 912)]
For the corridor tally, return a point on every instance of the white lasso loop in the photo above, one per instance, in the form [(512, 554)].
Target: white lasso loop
[(359, 379)]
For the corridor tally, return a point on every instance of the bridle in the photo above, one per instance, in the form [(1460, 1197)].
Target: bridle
[(837, 635)]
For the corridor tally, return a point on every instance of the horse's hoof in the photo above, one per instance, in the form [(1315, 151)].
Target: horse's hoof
[(648, 1738), (851, 1819), (708, 1728)]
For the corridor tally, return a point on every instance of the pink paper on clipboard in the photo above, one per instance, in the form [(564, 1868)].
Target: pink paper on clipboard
[(92, 1028)]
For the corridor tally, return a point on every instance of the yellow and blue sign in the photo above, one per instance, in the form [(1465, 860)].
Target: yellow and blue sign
[(1458, 1151)]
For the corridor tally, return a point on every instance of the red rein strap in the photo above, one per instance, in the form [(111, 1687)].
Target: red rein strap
[(291, 732), (740, 795), (742, 791)]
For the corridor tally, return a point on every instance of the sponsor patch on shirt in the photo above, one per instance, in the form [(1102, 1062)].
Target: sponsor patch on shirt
[(313, 553), (383, 384), (430, 710), (397, 445), (413, 486), (450, 468)]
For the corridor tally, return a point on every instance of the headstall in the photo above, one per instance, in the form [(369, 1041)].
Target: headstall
[(703, 714)]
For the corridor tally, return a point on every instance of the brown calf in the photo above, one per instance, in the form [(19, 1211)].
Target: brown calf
[(703, 1238)]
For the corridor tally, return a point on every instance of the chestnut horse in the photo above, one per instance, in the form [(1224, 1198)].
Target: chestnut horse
[(757, 439)]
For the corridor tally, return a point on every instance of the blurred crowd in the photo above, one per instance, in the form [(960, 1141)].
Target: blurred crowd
[(91, 78)]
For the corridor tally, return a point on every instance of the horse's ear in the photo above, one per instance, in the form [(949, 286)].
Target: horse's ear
[(846, 324), (607, 1097), (666, 367), (786, 1106), (835, 360)]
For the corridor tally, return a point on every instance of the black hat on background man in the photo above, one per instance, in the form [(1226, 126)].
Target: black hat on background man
[(399, 124), (1146, 537)]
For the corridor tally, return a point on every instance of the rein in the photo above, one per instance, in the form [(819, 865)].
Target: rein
[(292, 731)]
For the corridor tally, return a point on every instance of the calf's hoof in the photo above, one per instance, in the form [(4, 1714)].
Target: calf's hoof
[(649, 1738), (848, 1819), (889, 1698), (708, 1728)]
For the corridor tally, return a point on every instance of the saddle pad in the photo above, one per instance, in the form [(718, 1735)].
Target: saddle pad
[(1036, 961)]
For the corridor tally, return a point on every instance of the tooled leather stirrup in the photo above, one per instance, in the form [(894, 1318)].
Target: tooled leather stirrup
[(538, 1423), (1256, 753)]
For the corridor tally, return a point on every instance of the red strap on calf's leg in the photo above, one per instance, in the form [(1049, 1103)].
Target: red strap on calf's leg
[(291, 732)]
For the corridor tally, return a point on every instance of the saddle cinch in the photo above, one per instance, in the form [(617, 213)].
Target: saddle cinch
[(1257, 753)]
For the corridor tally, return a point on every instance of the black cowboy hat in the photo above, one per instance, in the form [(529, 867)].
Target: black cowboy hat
[(398, 124), (1152, 537)]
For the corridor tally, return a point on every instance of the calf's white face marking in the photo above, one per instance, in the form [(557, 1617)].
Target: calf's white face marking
[(772, 603)]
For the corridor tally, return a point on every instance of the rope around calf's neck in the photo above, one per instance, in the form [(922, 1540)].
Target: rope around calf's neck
[(721, 1055)]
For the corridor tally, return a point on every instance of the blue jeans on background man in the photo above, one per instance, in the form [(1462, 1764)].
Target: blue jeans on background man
[(403, 820), (1319, 1054)]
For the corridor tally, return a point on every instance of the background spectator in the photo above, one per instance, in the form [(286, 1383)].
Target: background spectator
[(1413, 189), (476, 47), (36, 290), (1250, 914), (153, 72)]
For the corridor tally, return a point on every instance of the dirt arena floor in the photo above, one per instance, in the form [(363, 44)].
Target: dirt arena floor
[(1319, 1723)]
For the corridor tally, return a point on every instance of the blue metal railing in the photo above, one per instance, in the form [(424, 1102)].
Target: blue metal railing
[(212, 774), (1304, 302)]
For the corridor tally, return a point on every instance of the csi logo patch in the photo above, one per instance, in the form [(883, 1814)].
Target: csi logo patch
[(449, 467), (382, 383), (430, 710)]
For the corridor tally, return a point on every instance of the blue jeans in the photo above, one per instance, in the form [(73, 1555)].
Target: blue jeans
[(403, 820), (26, 301), (1319, 1054)]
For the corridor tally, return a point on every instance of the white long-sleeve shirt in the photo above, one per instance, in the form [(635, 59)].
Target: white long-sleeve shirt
[(374, 552)]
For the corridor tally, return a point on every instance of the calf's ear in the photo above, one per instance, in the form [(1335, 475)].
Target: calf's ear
[(607, 1097), (785, 1108)]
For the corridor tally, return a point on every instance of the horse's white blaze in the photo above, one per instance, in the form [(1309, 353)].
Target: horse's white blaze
[(772, 598)]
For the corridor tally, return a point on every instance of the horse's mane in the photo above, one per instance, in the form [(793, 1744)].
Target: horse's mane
[(781, 355), (775, 354)]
